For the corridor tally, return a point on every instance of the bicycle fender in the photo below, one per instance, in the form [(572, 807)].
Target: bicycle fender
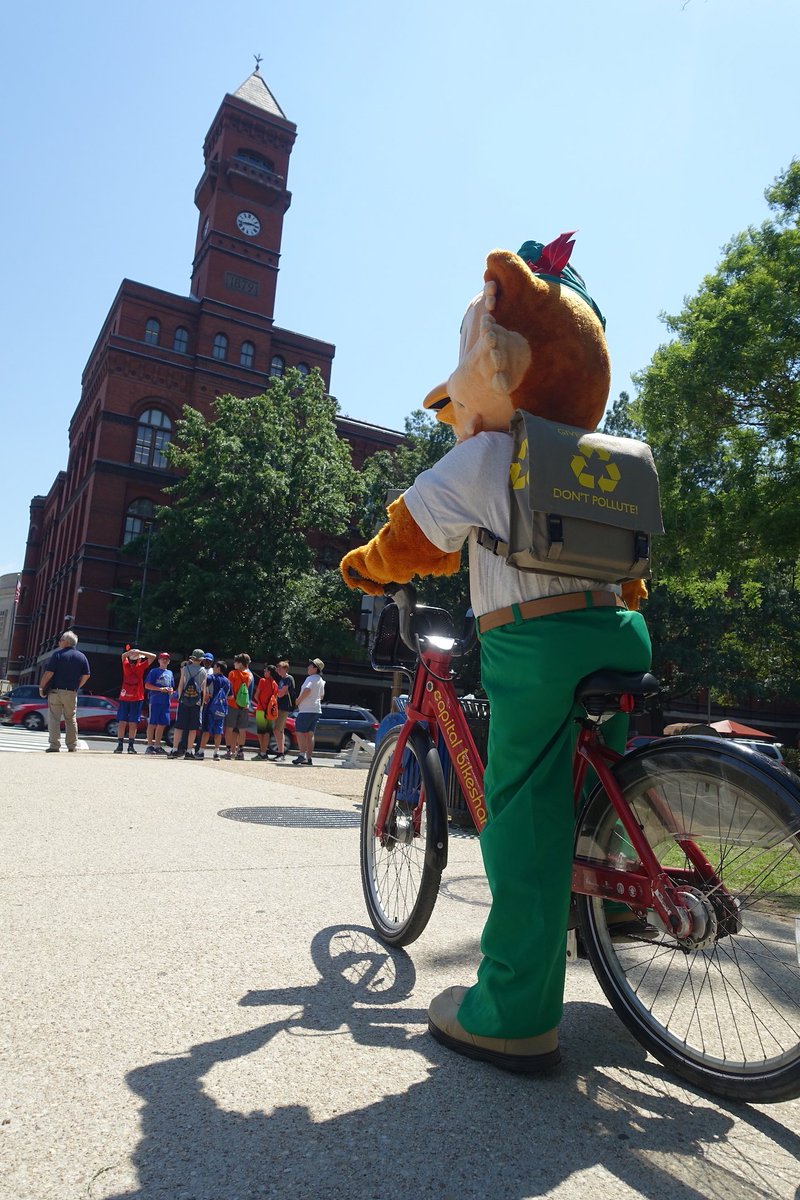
[(436, 804)]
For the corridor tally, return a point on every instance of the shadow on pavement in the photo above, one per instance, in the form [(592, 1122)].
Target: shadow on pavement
[(465, 1131)]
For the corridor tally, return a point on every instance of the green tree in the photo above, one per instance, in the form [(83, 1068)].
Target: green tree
[(720, 405), (262, 480)]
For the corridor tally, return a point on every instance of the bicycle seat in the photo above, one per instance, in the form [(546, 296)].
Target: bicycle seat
[(600, 691)]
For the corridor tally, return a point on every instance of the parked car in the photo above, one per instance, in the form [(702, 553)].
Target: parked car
[(16, 695), (639, 740), (96, 714), (339, 722), (768, 749)]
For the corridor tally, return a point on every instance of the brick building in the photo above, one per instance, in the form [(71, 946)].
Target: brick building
[(156, 352)]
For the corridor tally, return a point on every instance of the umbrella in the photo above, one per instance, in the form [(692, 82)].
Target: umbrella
[(735, 729)]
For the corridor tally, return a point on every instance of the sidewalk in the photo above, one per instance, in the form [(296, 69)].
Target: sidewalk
[(194, 1009)]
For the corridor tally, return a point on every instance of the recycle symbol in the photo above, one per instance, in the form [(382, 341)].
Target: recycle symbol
[(607, 481), (517, 476)]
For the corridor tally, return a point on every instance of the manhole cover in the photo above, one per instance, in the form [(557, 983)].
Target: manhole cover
[(300, 818)]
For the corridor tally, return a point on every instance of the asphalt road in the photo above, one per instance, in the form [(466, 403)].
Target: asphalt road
[(194, 1009)]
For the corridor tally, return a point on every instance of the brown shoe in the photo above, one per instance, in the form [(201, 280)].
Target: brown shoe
[(528, 1056)]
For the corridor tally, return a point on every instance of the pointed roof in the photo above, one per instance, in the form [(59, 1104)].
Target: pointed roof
[(255, 91)]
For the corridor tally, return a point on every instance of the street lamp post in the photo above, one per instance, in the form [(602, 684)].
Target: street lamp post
[(144, 583)]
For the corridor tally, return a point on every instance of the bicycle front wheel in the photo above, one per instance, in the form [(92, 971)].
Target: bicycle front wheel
[(400, 872), (722, 1010)]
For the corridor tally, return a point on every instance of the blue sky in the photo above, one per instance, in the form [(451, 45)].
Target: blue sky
[(428, 134)]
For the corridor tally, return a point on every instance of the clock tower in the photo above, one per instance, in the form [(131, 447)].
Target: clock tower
[(242, 197)]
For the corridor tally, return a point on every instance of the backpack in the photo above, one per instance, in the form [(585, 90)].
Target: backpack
[(191, 693), (581, 503), (242, 697), (272, 707)]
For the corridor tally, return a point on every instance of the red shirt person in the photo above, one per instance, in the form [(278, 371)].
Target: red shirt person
[(135, 664)]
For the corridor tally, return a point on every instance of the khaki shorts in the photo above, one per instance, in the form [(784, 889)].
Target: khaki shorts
[(236, 719)]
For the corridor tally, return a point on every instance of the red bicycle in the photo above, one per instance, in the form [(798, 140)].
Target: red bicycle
[(695, 840)]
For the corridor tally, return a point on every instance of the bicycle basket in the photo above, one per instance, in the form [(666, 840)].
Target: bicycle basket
[(389, 652)]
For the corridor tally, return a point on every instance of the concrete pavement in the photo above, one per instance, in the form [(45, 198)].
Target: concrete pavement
[(194, 1007)]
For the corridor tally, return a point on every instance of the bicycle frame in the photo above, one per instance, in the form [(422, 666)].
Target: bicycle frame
[(433, 703)]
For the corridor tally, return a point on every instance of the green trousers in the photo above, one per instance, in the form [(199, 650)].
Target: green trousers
[(530, 671)]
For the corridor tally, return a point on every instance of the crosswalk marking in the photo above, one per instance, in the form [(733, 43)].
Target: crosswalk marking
[(15, 740)]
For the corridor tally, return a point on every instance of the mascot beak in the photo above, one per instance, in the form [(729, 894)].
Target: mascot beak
[(438, 401)]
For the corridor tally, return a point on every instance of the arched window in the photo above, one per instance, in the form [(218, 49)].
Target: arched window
[(247, 354), (220, 348), (152, 435), (304, 369), (255, 160), (152, 331), (180, 342), (277, 366), (140, 514)]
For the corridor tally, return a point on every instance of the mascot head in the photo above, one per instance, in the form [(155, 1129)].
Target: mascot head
[(532, 339)]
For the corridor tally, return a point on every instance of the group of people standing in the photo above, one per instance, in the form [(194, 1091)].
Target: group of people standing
[(214, 702)]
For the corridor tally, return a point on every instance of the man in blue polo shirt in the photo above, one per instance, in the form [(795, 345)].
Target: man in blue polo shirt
[(66, 672)]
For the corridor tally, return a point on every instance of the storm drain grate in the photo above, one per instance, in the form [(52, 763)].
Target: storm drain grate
[(299, 818)]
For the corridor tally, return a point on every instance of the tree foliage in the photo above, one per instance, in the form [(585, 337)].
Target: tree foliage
[(720, 405), (262, 480)]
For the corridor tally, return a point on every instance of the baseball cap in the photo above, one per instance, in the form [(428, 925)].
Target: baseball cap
[(164, 654), (197, 654), (318, 663), (208, 656)]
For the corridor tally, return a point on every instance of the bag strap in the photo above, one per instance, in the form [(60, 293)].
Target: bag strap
[(491, 542)]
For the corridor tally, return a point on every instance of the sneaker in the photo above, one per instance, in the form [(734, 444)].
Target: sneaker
[(216, 756), (174, 754), (188, 754), (119, 749), (159, 750), (280, 758), (53, 750), (132, 749), (199, 754), (228, 756), (150, 750), (301, 761), (240, 754)]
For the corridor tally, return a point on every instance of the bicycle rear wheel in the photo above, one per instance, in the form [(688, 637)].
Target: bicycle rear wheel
[(400, 874), (723, 1013)]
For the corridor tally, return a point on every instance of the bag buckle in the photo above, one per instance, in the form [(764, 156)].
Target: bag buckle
[(555, 534)]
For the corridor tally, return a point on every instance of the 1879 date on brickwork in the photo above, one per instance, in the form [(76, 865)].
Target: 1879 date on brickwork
[(239, 283)]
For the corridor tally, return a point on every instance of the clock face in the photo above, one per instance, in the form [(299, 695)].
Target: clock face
[(248, 223)]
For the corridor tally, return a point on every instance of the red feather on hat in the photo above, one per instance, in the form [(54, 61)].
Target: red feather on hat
[(555, 255)]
